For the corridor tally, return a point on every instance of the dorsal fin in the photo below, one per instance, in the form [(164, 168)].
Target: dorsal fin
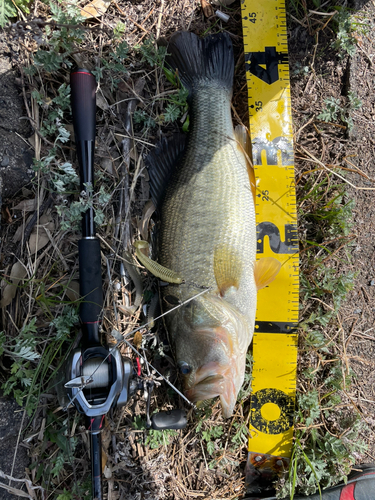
[(161, 162)]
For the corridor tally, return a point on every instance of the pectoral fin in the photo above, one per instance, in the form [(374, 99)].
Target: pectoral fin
[(265, 271), (227, 269), (244, 144), (141, 248)]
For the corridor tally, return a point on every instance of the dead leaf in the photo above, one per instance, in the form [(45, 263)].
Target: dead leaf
[(17, 273), (148, 210), (72, 290), (6, 214), (208, 10), (39, 238), (101, 102), (20, 230), (26, 192), (95, 8), (32, 140), (27, 205), (107, 165)]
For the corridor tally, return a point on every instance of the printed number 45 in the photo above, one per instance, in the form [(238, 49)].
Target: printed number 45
[(252, 16)]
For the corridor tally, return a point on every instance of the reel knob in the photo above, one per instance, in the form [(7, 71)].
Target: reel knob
[(172, 419)]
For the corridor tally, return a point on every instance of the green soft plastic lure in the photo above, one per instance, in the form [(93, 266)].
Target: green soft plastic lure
[(156, 269)]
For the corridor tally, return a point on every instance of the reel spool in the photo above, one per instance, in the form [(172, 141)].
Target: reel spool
[(97, 370), (98, 380)]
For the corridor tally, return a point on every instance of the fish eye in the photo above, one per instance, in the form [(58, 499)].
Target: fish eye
[(184, 368)]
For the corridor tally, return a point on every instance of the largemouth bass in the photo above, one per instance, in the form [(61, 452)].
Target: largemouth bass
[(208, 229)]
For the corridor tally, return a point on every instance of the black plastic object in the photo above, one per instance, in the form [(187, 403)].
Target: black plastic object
[(173, 419), (90, 282), (94, 426), (360, 486), (83, 99)]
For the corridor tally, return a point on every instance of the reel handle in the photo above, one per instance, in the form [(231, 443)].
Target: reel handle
[(173, 419)]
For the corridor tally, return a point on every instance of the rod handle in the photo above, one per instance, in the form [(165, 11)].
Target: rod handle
[(83, 99), (90, 280)]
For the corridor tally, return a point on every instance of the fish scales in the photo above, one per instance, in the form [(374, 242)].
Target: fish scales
[(208, 230), (209, 201)]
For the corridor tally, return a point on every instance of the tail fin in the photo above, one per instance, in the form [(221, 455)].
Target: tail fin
[(201, 60)]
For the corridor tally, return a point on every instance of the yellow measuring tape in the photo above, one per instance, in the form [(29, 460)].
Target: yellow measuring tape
[(274, 344)]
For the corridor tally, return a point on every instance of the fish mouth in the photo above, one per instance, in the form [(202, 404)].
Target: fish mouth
[(224, 370), (208, 388), (214, 380)]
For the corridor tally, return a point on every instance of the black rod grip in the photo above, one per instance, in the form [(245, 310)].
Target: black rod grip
[(90, 280), (83, 99)]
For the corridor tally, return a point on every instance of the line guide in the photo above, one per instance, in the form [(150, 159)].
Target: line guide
[(275, 343)]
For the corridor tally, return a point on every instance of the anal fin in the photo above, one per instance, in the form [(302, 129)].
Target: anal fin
[(265, 271)]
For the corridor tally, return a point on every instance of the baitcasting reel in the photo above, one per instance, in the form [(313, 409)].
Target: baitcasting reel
[(98, 379)]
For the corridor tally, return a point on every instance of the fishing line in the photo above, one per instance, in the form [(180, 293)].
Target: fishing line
[(89, 378)]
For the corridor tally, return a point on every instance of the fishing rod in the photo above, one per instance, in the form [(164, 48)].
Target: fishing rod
[(98, 378)]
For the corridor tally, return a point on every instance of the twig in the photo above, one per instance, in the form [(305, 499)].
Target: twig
[(335, 173)]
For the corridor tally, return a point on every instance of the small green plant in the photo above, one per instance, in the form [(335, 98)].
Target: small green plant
[(140, 117), (347, 26), (154, 439), (300, 70), (55, 454), (151, 53), (31, 367), (52, 122), (334, 110), (60, 40), (177, 106), (71, 215), (9, 9), (112, 66)]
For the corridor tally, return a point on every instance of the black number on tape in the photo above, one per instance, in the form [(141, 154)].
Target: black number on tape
[(271, 148), (276, 397), (269, 58), (290, 245)]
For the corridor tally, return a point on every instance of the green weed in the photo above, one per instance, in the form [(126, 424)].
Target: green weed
[(334, 110), (9, 9), (347, 27), (153, 438), (32, 358)]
